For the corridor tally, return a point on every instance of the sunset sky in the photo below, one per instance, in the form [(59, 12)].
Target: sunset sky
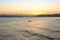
[(29, 7)]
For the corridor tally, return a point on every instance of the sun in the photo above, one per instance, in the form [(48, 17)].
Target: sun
[(35, 12)]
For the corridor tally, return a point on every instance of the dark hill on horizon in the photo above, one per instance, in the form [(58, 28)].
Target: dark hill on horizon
[(49, 15)]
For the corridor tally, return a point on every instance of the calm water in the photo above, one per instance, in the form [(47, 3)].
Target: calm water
[(41, 28)]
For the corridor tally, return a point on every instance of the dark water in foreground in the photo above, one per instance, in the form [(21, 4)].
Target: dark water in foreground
[(41, 28)]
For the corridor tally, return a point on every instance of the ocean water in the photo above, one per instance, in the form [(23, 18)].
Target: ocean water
[(38, 28)]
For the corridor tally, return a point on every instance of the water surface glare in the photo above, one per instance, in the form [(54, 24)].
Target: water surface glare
[(38, 28)]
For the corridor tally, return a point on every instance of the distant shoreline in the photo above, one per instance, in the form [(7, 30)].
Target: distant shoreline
[(44, 15), (20, 17)]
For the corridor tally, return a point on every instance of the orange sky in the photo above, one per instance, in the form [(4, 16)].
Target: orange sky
[(29, 7), (31, 12)]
